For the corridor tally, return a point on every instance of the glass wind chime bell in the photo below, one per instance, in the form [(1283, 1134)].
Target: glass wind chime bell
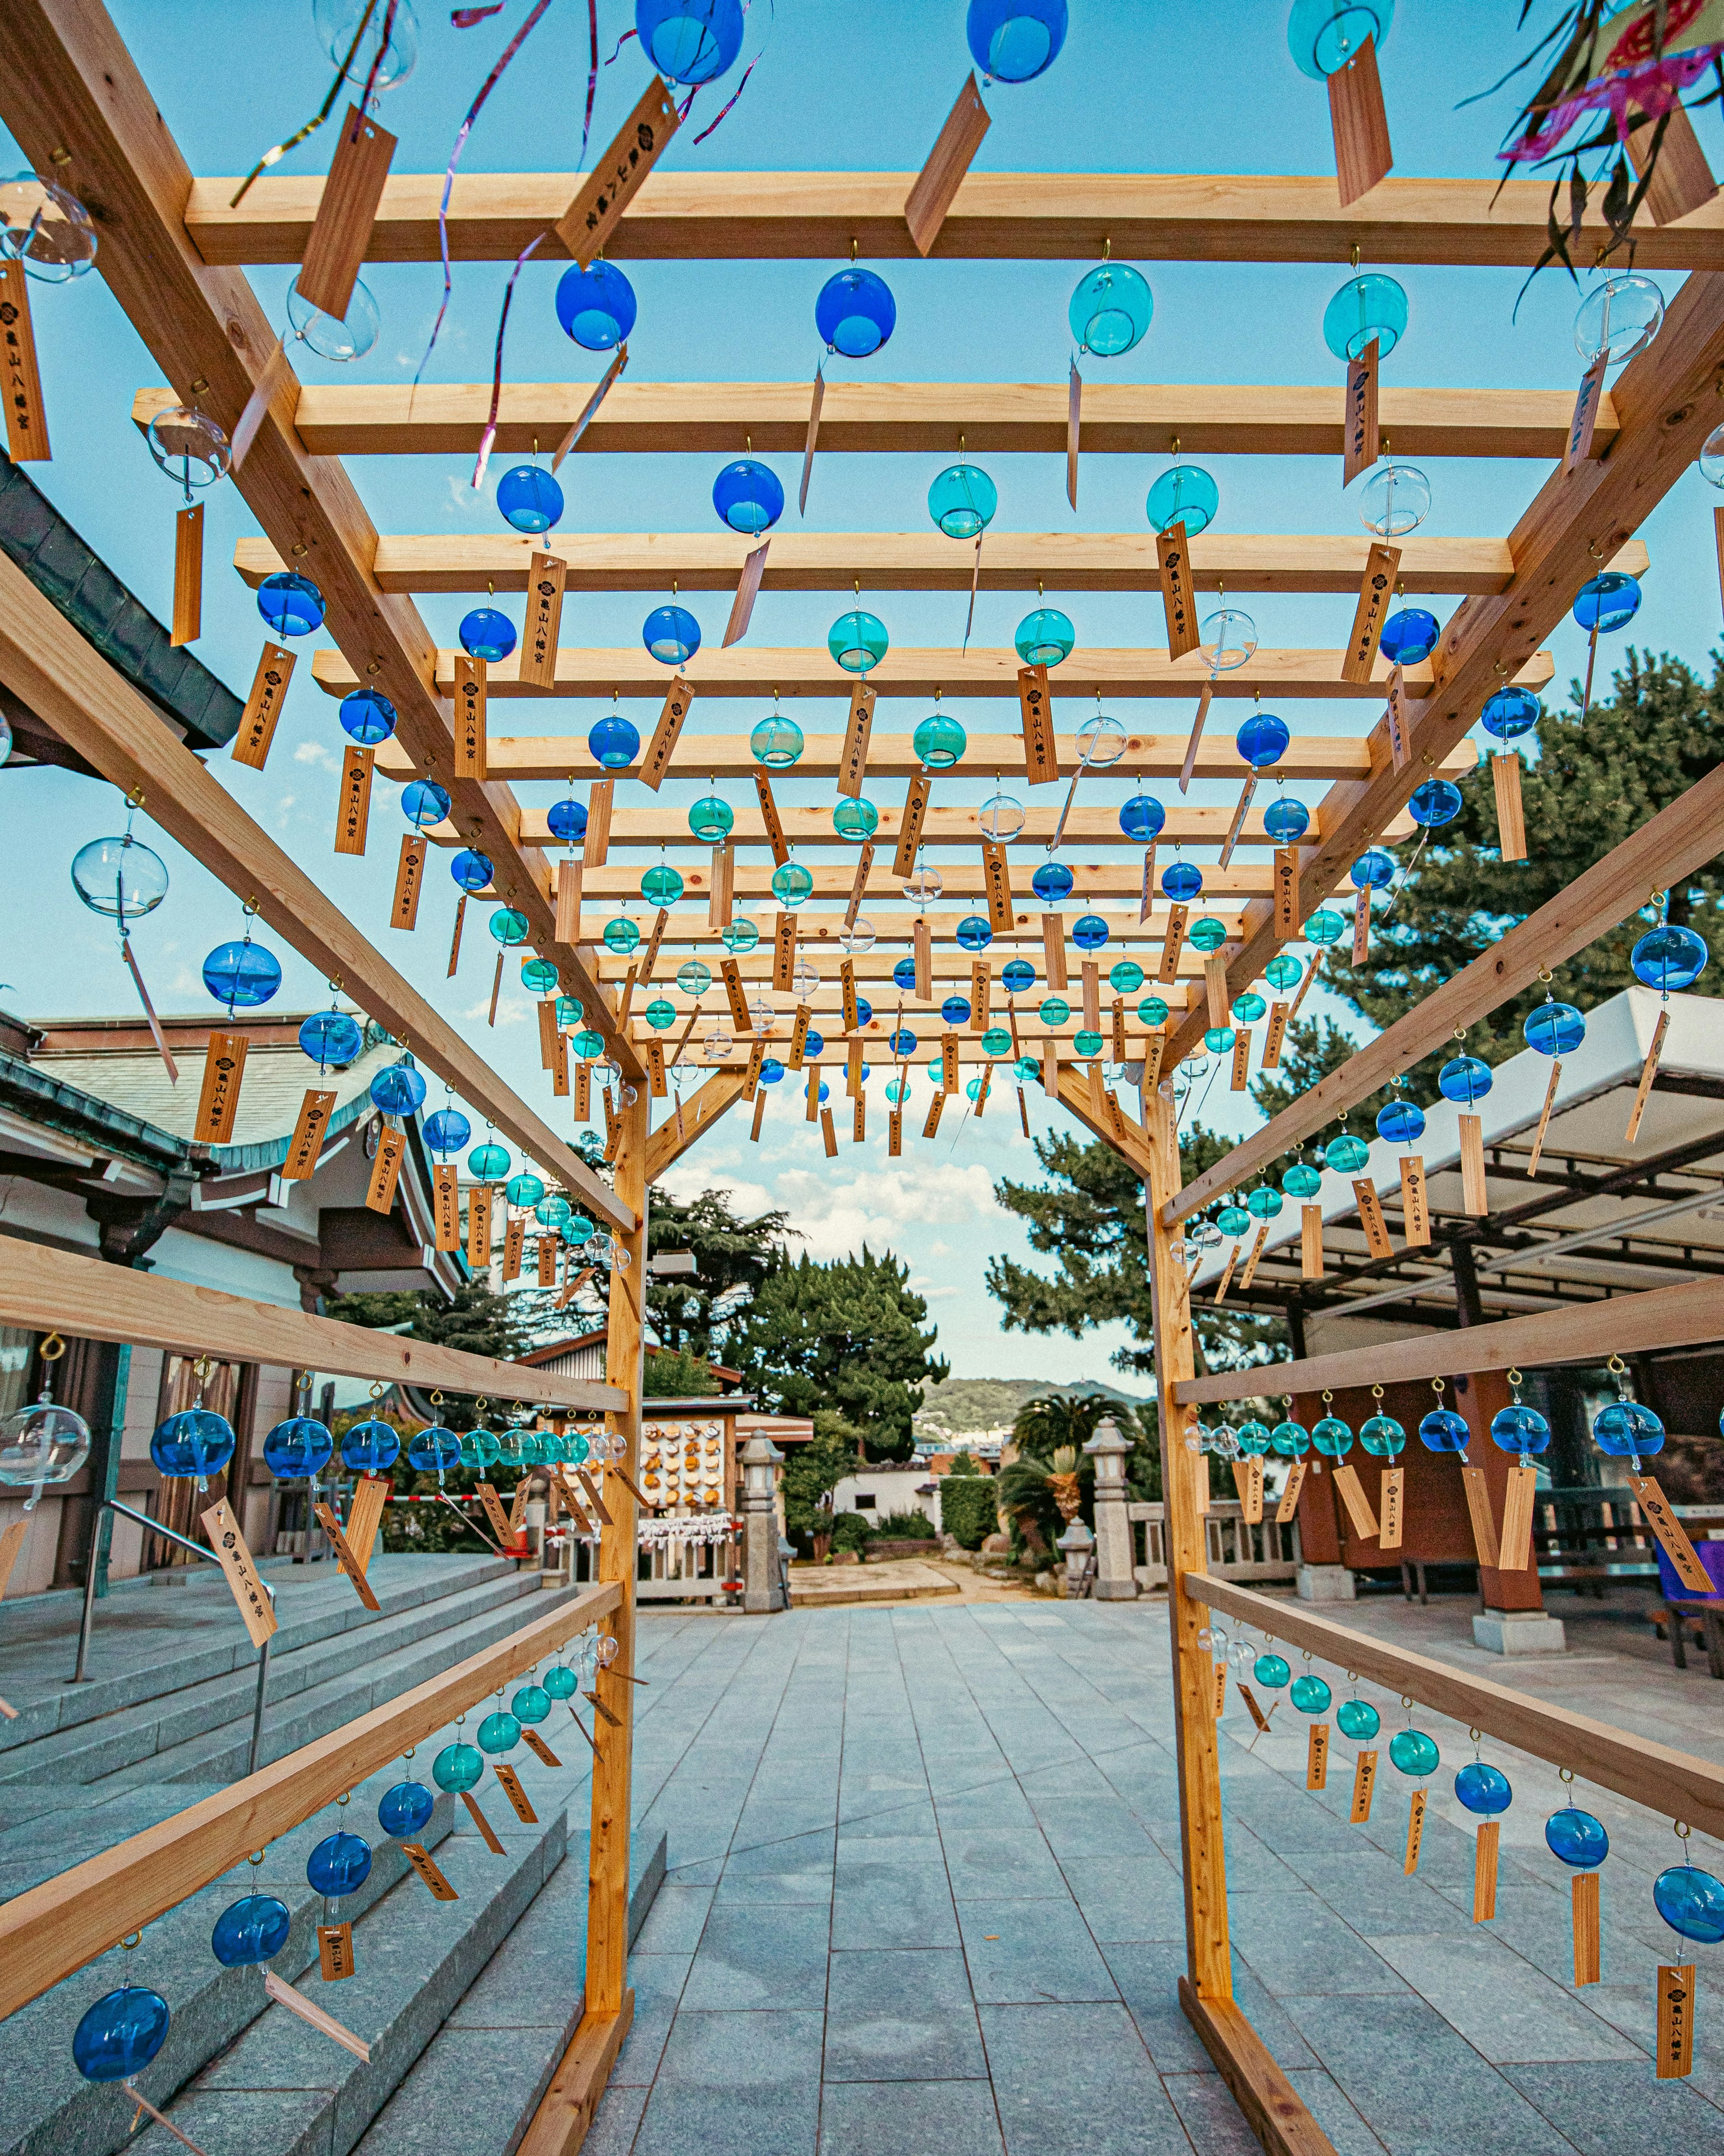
[(42, 1443), (122, 880), (196, 1442)]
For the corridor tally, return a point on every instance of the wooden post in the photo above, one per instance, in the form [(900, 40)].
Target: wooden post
[(608, 1890), (1184, 1477)]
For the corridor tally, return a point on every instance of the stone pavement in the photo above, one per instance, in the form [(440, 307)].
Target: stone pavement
[(924, 1895)]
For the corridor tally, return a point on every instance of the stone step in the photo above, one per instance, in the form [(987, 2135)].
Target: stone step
[(150, 1640), (282, 2089), (47, 2108), (476, 2086), (176, 1733)]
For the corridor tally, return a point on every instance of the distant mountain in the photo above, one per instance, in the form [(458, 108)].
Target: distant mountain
[(990, 1403)]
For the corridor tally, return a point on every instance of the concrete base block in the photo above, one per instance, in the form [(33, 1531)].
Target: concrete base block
[(1116, 1590), (1519, 1632), (1326, 1583)]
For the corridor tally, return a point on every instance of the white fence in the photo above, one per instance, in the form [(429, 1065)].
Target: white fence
[(1236, 1550)]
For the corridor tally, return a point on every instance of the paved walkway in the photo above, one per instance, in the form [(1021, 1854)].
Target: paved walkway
[(925, 1896)]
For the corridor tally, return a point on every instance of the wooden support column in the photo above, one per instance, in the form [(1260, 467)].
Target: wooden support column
[(607, 1894), (1183, 1477)]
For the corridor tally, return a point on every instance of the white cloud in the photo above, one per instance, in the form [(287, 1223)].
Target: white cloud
[(466, 500), (507, 1014), (314, 752)]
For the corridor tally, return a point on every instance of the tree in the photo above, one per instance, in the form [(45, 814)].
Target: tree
[(673, 1375), (814, 1470), (732, 1258), (474, 1320), (1593, 782), (1089, 1215), (846, 1335)]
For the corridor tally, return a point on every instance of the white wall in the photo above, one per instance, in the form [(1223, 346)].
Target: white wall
[(893, 1489)]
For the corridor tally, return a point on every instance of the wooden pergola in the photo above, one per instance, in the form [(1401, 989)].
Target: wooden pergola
[(176, 254)]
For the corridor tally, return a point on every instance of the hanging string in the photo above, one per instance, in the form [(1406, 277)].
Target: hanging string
[(448, 178), (275, 157), (592, 75), (464, 18), (375, 68), (490, 435), (746, 72)]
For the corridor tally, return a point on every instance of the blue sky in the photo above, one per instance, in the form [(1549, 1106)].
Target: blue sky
[(1143, 88)]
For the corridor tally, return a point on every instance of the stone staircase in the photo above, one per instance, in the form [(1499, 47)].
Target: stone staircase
[(468, 2006), (174, 1673)]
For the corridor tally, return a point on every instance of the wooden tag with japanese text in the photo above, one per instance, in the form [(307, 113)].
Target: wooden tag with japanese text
[(1289, 921), (1172, 943), (470, 717), (666, 734), (1364, 1788), (932, 1123), (859, 882), (494, 1512), (1041, 754), (305, 1146), (385, 1169), (895, 1133), (921, 944), (997, 882), (446, 1205), (537, 1745), (1377, 591), (583, 1091), (487, 1831), (769, 817), (545, 579), (1371, 1218), (1275, 1036), (1675, 2020), (1179, 599), (1655, 1508), (948, 1063), (1398, 719), (859, 1119), (1248, 1480), (1241, 1057), (517, 1796), (1391, 1498), (218, 1102), (784, 953), (513, 1244), (1649, 1072), (615, 179), (409, 881), (353, 810), (1316, 1757), (1289, 1504), (655, 1070), (853, 765), (1361, 927), (1415, 1831), (545, 1259), (26, 415), (1117, 1022), (241, 1573), (1258, 1716), (847, 988), (1415, 1201), (334, 1952), (1220, 1689), (798, 1037), (479, 1227), (263, 706), (910, 827), (730, 973), (426, 1866), (1361, 445), (750, 1077)]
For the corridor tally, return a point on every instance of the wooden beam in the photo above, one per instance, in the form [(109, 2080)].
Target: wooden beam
[(872, 970), (744, 669), (566, 2111), (57, 1290), (69, 88), (1672, 844), (962, 878), (942, 826), (1185, 1476), (1064, 217), (1147, 755), (1272, 2106), (613, 1767), (68, 683), (1667, 399), (446, 418), (49, 1932), (918, 561), (1074, 1098), (1674, 1785), (700, 1112), (1682, 1316), (895, 930)]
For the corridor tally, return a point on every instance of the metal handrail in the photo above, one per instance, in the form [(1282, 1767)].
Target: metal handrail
[(173, 1535)]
